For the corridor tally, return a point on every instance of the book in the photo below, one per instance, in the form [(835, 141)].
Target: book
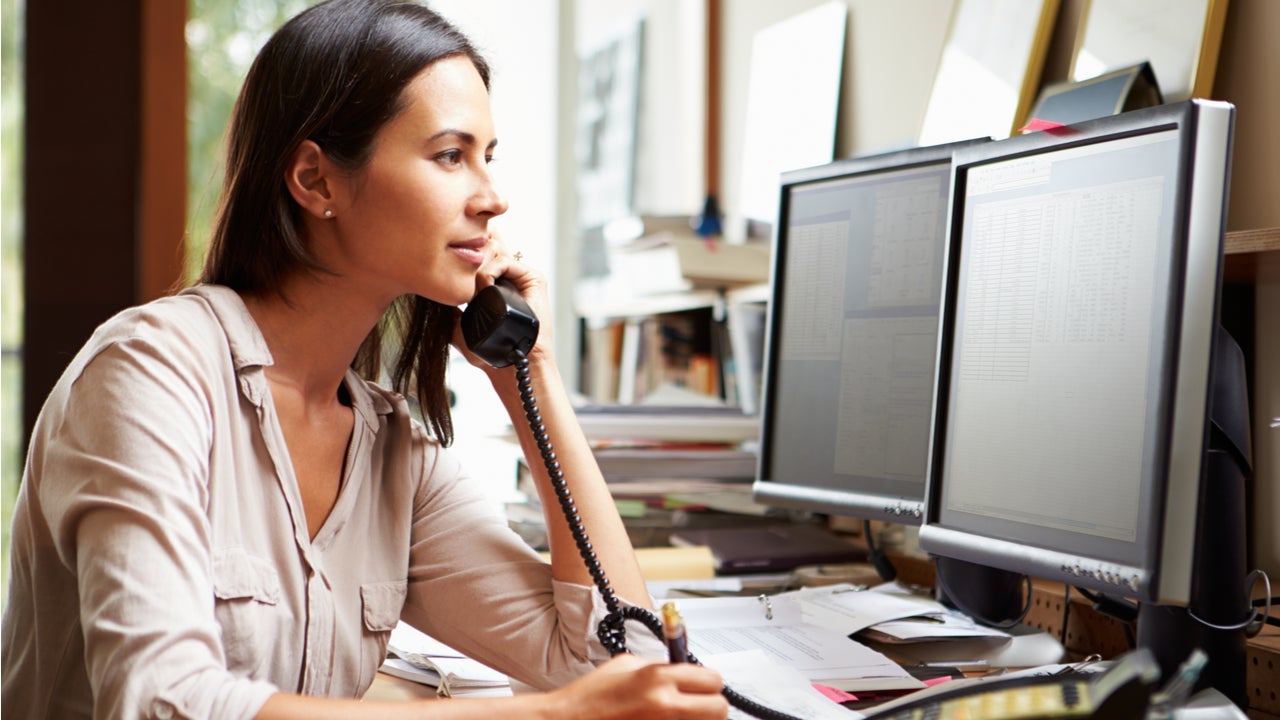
[(626, 462), (672, 423), (669, 564), (406, 670), (770, 548), (414, 655)]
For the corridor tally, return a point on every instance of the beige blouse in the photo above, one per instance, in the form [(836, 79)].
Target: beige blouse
[(161, 564)]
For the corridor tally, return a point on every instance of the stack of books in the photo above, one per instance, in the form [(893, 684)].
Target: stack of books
[(652, 442), (667, 467)]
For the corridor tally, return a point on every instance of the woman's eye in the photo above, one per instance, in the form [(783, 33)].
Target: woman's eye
[(450, 157)]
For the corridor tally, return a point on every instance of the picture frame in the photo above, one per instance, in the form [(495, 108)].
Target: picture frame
[(609, 81), (989, 73), (793, 92), (1180, 38)]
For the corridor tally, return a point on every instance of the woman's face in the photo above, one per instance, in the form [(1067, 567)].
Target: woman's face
[(417, 219)]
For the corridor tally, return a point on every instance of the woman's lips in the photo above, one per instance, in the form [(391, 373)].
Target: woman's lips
[(471, 251)]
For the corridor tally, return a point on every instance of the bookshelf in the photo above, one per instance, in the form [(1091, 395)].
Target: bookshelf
[(1252, 256), (698, 347)]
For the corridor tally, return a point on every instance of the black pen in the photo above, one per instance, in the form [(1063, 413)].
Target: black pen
[(673, 632)]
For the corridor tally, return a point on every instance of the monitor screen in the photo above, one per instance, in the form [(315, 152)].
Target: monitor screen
[(1077, 332), (852, 334)]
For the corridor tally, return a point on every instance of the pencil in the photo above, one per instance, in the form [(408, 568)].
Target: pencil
[(674, 633)]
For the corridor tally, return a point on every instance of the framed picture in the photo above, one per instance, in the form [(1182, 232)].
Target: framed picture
[(1180, 38), (989, 73), (793, 93), (608, 103)]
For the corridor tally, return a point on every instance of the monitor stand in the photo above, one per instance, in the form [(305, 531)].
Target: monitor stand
[(1218, 593), (989, 595)]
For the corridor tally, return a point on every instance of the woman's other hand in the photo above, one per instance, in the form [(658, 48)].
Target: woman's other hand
[(628, 687)]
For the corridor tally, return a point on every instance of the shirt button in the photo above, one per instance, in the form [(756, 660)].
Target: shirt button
[(162, 710)]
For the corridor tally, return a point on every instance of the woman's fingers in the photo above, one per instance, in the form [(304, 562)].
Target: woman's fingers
[(627, 687)]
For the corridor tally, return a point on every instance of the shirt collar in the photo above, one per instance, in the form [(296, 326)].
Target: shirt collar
[(249, 351), (248, 347), (367, 404)]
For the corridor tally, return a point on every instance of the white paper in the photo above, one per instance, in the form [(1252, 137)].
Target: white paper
[(936, 626), (847, 610), (406, 670), (777, 628), (410, 639), (754, 674)]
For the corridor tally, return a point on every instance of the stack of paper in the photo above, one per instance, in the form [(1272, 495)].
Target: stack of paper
[(890, 613), (414, 655), (673, 423), (916, 630), (811, 630), (756, 675), (777, 626)]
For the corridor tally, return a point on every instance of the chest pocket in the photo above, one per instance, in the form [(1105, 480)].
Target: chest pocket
[(247, 590), (381, 603)]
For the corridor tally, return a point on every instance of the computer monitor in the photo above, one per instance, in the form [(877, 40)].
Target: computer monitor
[(1071, 422), (851, 336)]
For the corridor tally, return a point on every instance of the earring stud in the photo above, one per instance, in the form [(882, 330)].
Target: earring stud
[(328, 213)]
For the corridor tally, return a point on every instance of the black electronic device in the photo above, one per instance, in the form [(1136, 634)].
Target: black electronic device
[(1122, 692), (498, 323), (1089, 422), (851, 338), (851, 352)]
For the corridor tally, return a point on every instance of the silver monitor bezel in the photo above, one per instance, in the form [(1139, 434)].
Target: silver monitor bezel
[(769, 488), (1164, 575)]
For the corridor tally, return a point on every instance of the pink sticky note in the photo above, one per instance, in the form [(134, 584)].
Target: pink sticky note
[(937, 681), (1053, 128), (1035, 124), (839, 696)]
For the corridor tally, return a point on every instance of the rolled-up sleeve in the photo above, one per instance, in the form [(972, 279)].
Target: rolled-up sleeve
[(476, 586), (124, 493)]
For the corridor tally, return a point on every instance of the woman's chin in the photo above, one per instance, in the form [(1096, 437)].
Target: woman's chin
[(452, 296)]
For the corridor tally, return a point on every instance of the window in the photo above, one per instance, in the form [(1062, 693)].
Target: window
[(11, 117), (223, 36)]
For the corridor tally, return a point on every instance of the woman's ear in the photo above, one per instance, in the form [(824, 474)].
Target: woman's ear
[(310, 177)]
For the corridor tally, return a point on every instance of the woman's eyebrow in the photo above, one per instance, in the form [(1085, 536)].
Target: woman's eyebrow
[(462, 135)]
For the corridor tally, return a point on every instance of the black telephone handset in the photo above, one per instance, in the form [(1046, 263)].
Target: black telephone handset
[(498, 323), (499, 327), (1122, 692)]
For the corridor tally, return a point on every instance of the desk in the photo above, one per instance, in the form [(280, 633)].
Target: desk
[(1262, 674), (1086, 630)]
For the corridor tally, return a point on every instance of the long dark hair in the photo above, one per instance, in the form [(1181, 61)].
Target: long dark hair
[(334, 74)]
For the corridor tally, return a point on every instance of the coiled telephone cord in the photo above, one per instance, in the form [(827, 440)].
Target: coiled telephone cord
[(612, 630)]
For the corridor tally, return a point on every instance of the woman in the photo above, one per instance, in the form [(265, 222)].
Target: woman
[(221, 518)]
